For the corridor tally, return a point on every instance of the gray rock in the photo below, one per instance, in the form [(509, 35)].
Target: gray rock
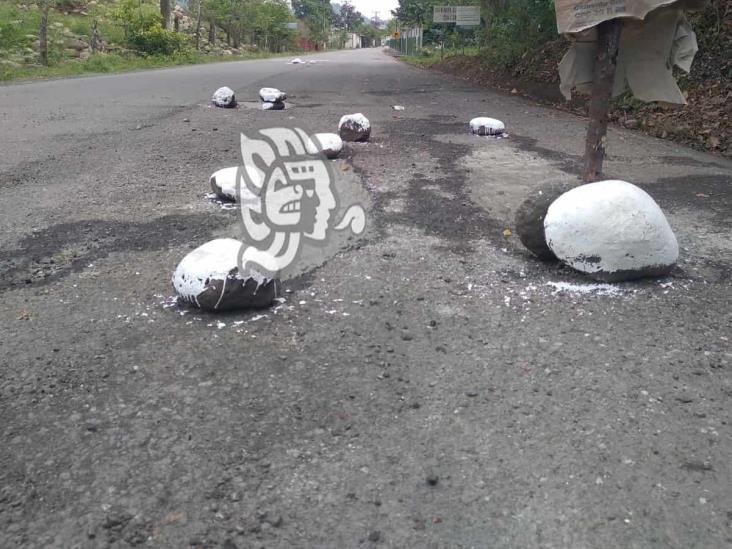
[(224, 98), (276, 106), (354, 127), (612, 231), (209, 278), (224, 183), (531, 213), (329, 144), (272, 95)]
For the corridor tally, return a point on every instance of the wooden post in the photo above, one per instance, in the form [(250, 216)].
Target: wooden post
[(43, 34), (602, 87)]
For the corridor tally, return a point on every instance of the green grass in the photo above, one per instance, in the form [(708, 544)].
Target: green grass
[(19, 59), (432, 56), (110, 63)]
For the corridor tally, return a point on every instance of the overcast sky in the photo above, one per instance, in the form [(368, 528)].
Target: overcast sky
[(368, 7)]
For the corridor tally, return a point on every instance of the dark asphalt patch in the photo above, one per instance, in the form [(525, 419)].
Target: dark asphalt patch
[(61, 249), (568, 163)]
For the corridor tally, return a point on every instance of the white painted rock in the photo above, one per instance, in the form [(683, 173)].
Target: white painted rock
[(272, 95), (296, 61), (209, 278), (611, 230), (329, 144), (278, 106), (223, 183), (487, 126), (224, 97), (354, 127)]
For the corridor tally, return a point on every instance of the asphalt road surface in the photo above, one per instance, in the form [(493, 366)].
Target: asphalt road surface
[(429, 385)]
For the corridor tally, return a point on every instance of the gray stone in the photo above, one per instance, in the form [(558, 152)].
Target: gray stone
[(272, 95), (354, 127), (276, 106), (612, 231), (209, 278), (531, 213), (224, 98)]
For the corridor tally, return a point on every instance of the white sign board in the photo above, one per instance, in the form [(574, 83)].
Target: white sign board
[(468, 16), (445, 14), (464, 16)]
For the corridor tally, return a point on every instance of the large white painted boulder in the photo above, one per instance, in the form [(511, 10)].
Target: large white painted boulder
[(354, 127), (224, 98), (272, 95), (223, 183), (209, 278), (329, 144), (611, 230), (487, 126)]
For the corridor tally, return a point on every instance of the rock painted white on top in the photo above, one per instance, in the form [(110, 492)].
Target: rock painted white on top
[(223, 183), (487, 126), (209, 278), (354, 127), (224, 97), (272, 95), (329, 144), (611, 230), (278, 106), (296, 61)]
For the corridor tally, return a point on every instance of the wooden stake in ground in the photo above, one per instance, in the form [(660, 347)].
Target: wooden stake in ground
[(602, 87), (43, 33)]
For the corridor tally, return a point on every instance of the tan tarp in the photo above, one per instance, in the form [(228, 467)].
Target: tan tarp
[(648, 51), (578, 15)]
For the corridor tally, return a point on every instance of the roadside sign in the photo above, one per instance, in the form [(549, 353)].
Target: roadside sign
[(467, 16), (291, 26), (445, 14), (395, 35)]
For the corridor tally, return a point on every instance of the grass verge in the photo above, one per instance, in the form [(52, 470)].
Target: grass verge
[(104, 63)]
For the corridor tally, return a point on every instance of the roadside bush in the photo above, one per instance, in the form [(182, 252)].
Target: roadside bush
[(520, 27), (158, 41)]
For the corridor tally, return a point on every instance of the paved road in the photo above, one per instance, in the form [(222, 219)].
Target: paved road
[(427, 386)]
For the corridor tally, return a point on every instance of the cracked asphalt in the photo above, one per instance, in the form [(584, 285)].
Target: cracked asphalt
[(429, 385)]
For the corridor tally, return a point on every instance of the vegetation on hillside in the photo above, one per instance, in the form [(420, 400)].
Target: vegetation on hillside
[(59, 37)]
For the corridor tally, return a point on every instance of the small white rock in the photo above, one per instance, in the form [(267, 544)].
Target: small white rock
[(224, 97), (398, 107), (329, 144), (279, 106), (611, 230), (487, 126), (272, 95), (296, 61), (223, 183), (354, 127), (209, 278)]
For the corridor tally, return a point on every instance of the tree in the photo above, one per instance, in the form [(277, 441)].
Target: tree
[(414, 12), (318, 15), (349, 17), (164, 13)]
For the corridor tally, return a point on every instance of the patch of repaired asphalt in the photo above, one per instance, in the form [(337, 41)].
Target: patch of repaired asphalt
[(52, 253)]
